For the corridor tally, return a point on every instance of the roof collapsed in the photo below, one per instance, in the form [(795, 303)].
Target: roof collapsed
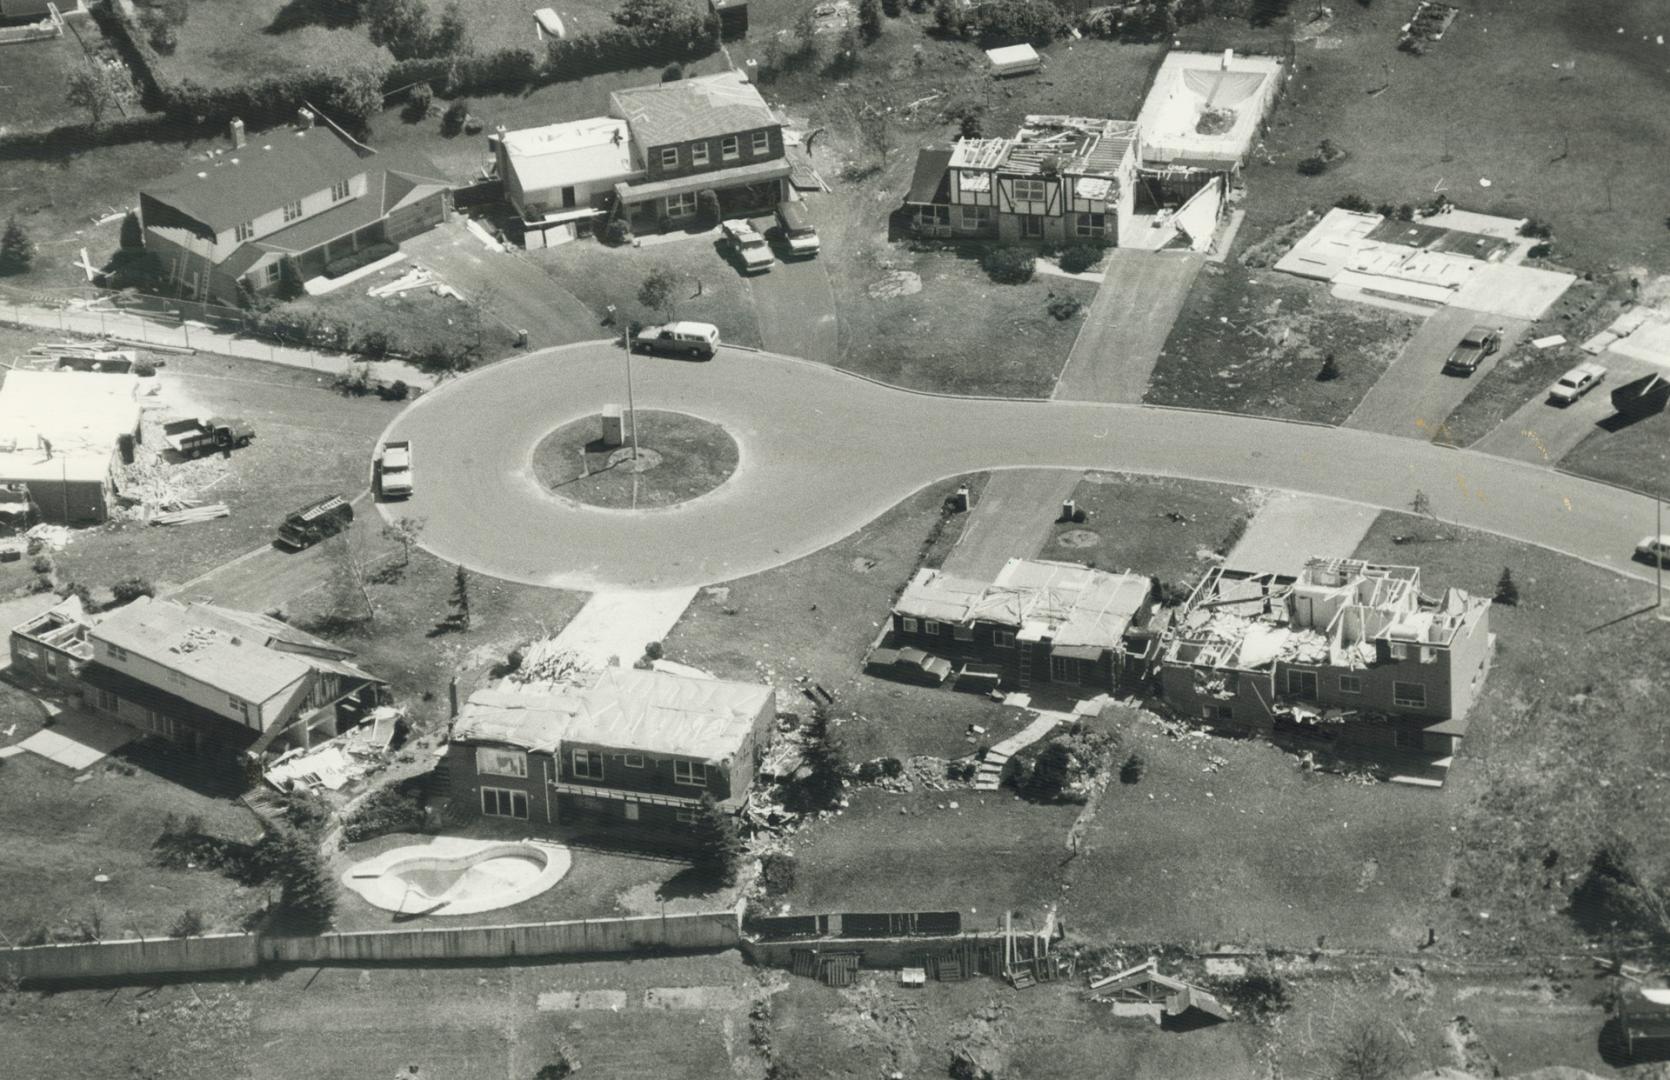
[(1092, 150), (1068, 604), (1143, 991), (1205, 109)]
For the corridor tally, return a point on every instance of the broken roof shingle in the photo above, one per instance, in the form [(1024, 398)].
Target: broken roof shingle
[(701, 108)]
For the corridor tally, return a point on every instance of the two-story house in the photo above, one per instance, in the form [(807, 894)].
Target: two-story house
[(220, 681), (1059, 179), (1348, 656), (628, 757), (713, 133), (562, 175), (298, 198), (1040, 625)]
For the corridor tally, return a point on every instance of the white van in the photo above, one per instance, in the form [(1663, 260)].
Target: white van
[(698, 339)]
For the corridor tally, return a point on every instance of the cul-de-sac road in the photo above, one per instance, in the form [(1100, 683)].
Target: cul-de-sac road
[(823, 453)]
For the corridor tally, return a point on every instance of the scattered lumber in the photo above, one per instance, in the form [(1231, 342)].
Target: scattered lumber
[(192, 515)]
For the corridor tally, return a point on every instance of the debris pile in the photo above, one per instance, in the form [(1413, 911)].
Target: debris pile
[(151, 488)]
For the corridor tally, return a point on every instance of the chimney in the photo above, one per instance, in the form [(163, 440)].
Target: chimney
[(1229, 58), (237, 133), (304, 119)]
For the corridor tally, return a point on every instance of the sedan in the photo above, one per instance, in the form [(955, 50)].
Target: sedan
[(1575, 383), (1654, 549), (1475, 345), (750, 247)]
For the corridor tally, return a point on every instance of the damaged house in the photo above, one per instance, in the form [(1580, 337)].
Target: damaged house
[(1040, 624), (1141, 991), (1347, 656)]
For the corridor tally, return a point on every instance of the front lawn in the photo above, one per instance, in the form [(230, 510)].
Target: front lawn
[(1253, 341), (414, 321), (1636, 456), (227, 44), (36, 74), (1150, 525)]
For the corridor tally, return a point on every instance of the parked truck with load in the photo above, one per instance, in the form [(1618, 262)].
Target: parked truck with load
[(394, 469), (195, 437), (318, 520)]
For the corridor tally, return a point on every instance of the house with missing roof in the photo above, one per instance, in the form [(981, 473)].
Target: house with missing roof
[(1346, 657), (63, 435), (560, 178), (624, 759), (1057, 180), (218, 681), (292, 200), (1040, 625), (713, 133)]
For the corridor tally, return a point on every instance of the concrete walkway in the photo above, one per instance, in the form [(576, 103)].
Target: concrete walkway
[(1291, 528)]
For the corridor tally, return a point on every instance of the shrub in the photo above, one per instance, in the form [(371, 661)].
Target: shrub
[(128, 590), (133, 234), (418, 100), (1132, 770), (658, 28), (188, 923), (42, 564), (394, 391), (1540, 251), (892, 768), (617, 233), (1259, 994), (1330, 369), (1354, 202), (672, 73), (386, 810), (144, 370), (948, 16), (1012, 21), (892, 8), (1062, 308), (869, 19), (777, 872), (714, 843), (1312, 166), (1078, 258), (1536, 229), (1405, 212), (1507, 591), (452, 121), (1386, 210), (1009, 265), (363, 257)]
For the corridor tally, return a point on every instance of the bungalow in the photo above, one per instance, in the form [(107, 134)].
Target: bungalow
[(1057, 180), (561, 176), (629, 756), (62, 435), (1039, 625), (218, 680), (287, 202), (713, 133), (1348, 655)]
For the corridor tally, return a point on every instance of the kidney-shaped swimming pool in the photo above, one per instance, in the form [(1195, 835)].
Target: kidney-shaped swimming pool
[(455, 876)]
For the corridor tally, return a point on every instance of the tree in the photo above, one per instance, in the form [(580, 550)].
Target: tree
[(1369, 1052), (452, 33), (1050, 772), (460, 599), (93, 90), (823, 765), (845, 60), (358, 93), (133, 234), (948, 16), (652, 15), (1420, 504), (17, 251), (659, 292), (1330, 369), (405, 531), (715, 846), (869, 19), (1507, 592), (307, 890), (403, 26), (128, 590)]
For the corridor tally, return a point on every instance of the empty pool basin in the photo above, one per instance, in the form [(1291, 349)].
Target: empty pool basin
[(453, 876)]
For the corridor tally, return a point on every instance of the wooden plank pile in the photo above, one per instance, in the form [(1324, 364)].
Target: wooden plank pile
[(191, 515)]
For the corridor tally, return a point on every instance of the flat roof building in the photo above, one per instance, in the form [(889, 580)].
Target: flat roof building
[(60, 434)]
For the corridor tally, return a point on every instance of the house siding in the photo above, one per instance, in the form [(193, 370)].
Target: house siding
[(651, 159), (1101, 674), (181, 686)]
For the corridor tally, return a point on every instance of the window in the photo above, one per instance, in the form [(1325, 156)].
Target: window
[(1302, 684), (631, 809), (51, 662), (235, 704), (1217, 712), (634, 761), (728, 148), (292, 211), (1429, 655), (1064, 669), (681, 206), (669, 157), (907, 624), (158, 724), (588, 765), (1400, 651), (976, 217), (108, 701), (275, 270), (962, 632), (930, 626), (762, 142), (245, 231), (1032, 227), (1031, 191), (1003, 639), (932, 217), (503, 802), (698, 154), (693, 773), (1350, 684), (494, 761), (685, 817), (340, 190), (1409, 694), (116, 652), (1089, 225)]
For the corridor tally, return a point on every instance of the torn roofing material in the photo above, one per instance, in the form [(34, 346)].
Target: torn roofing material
[(1069, 604)]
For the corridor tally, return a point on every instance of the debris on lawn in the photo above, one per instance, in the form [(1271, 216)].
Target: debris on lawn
[(51, 537), (894, 284), (191, 515)]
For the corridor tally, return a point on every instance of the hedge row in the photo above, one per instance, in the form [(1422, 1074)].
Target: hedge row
[(688, 36)]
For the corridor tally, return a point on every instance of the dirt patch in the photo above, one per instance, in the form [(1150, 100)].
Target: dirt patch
[(1410, 984), (863, 564), (1079, 538), (678, 458), (1468, 1049), (1369, 874), (896, 283)]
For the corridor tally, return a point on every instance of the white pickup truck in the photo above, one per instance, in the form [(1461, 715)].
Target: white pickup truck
[(394, 470)]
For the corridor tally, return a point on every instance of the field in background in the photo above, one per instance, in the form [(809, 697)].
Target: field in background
[(224, 44)]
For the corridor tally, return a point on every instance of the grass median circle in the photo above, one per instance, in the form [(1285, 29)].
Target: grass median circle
[(679, 458)]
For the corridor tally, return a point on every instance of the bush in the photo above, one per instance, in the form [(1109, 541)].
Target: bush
[(1330, 369), (869, 19), (386, 810), (1540, 251), (1132, 770), (144, 370), (1001, 22), (1259, 994), (363, 257), (657, 28), (418, 100), (1078, 258), (42, 564), (1312, 166), (948, 17), (1507, 590), (892, 768), (128, 590), (452, 121), (188, 923), (1536, 229), (778, 870), (133, 233), (1009, 265), (672, 73), (394, 391), (1355, 203), (869, 772), (1062, 308), (617, 233)]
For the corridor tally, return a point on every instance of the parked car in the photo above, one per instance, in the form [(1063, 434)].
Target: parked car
[(909, 665), (1475, 345), (194, 437), (394, 469), (1654, 549), (794, 225), (748, 245), (314, 522), (697, 339), (1575, 383)]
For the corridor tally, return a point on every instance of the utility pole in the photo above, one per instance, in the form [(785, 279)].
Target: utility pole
[(631, 413)]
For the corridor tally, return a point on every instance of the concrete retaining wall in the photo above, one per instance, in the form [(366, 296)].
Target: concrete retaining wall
[(115, 959), (874, 952)]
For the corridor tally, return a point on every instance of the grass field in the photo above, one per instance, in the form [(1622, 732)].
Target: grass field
[(692, 457), (1129, 520), (36, 72), (224, 43), (1637, 456), (1253, 341), (1544, 98)]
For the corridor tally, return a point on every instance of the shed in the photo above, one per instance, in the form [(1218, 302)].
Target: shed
[(1020, 59)]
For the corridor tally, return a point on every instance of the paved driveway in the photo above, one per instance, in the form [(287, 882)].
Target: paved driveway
[(1414, 396), (1012, 520), (519, 293), (795, 306), (1127, 325), (1543, 434), (823, 453)]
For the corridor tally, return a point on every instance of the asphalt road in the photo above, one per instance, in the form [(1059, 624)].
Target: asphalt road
[(1415, 396), (1127, 325), (822, 453)]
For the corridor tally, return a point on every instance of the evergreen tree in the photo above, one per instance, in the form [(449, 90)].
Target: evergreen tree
[(133, 234), (869, 19), (307, 896), (1507, 592), (460, 599), (715, 846), (17, 251), (1330, 369), (825, 763)]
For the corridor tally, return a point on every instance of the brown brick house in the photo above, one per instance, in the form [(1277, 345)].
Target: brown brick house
[(300, 197), (713, 133), (626, 758), (1347, 656), (1039, 624)]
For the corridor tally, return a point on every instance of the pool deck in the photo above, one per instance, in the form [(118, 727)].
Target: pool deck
[(478, 886)]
